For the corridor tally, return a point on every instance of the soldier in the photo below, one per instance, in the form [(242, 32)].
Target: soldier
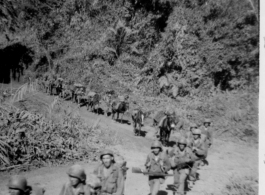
[(181, 162), (108, 100), (157, 162), (110, 175), (18, 185), (200, 150), (77, 182), (208, 132), (186, 122), (189, 134), (168, 113)]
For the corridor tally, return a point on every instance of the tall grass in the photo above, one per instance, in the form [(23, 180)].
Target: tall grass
[(32, 139)]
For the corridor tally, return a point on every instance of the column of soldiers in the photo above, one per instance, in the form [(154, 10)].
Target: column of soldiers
[(184, 159), (108, 179)]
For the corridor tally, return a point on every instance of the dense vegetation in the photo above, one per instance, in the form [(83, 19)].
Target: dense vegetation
[(202, 56), (181, 48)]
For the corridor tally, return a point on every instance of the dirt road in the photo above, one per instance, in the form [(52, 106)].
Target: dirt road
[(227, 160)]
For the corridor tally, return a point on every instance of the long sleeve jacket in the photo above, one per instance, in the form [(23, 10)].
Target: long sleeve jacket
[(114, 183), (208, 132), (200, 145), (157, 165)]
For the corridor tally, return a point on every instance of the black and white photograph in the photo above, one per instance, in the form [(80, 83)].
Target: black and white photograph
[(132, 97)]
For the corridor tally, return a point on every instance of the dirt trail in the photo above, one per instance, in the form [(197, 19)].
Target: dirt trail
[(226, 159)]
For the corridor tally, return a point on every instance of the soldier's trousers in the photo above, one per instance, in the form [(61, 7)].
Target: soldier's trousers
[(154, 183), (180, 177)]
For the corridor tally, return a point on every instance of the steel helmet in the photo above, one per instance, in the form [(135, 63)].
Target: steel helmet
[(207, 120), (77, 171), (18, 182), (156, 144), (194, 125), (197, 132), (182, 141), (94, 181), (106, 152)]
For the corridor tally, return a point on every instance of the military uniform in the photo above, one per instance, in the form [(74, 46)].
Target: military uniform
[(181, 162), (208, 132), (200, 150), (168, 113), (113, 183), (78, 172), (157, 164), (189, 135)]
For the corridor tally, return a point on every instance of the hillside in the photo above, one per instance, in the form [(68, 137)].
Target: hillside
[(201, 57)]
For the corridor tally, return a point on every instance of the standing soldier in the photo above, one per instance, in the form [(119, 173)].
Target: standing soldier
[(157, 162), (189, 134), (110, 175), (18, 185), (108, 100), (187, 121), (199, 148), (77, 182), (208, 132), (181, 162), (169, 112)]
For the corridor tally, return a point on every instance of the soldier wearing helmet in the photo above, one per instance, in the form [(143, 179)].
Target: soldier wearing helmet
[(200, 150), (18, 185), (77, 182), (156, 162), (189, 134), (169, 113), (109, 174), (208, 132), (181, 158)]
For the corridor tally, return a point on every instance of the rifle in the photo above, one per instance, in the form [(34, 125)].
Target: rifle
[(182, 165), (138, 170)]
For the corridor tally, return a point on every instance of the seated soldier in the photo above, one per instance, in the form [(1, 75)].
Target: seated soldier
[(181, 162)]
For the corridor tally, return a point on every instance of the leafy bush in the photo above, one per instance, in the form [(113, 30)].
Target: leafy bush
[(28, 138)]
